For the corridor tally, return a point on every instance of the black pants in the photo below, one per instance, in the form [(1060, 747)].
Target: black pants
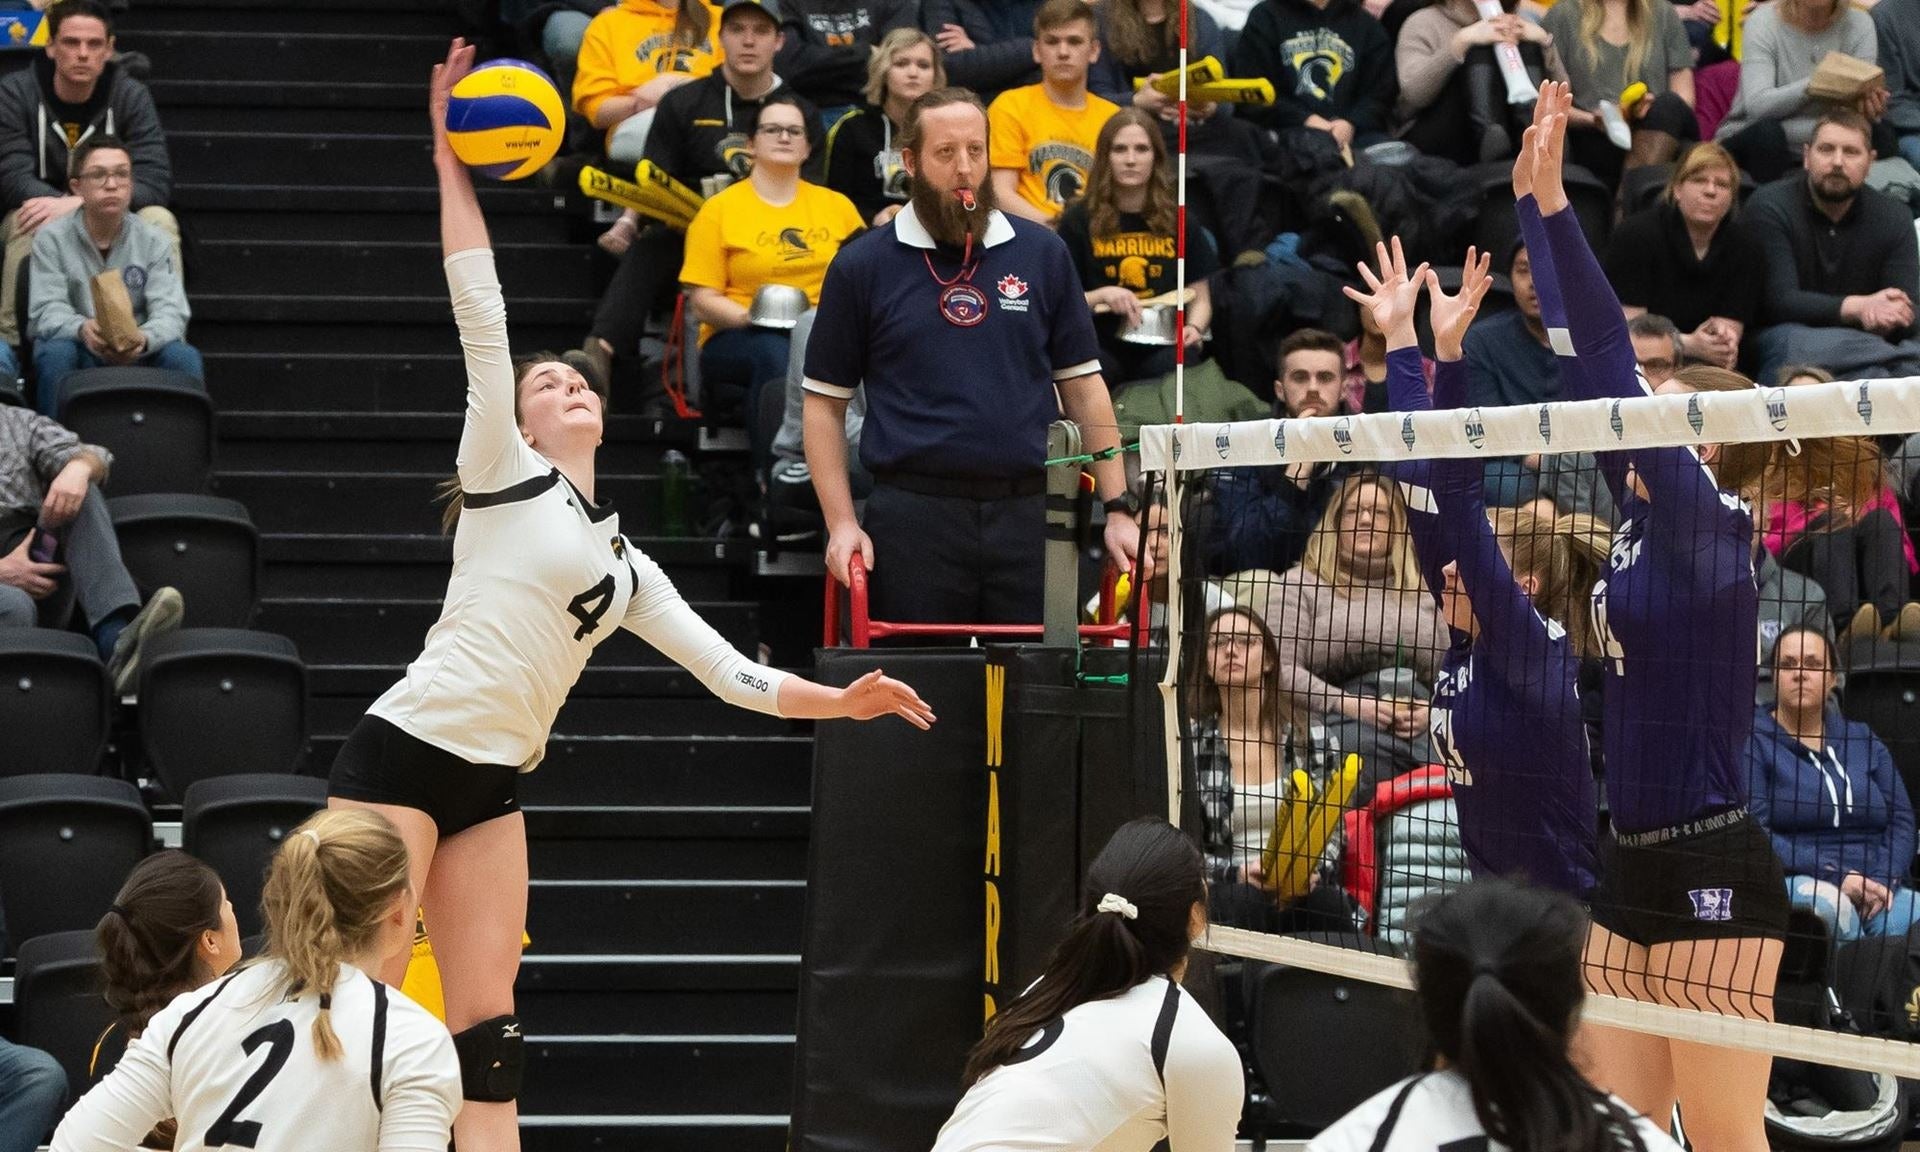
[(954, 559), (644, 281), (1592, 150), (1475, 98)]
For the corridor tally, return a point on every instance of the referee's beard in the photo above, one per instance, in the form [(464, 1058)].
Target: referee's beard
[(946, 221)]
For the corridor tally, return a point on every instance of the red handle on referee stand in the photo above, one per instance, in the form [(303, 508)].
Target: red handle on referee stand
[(864, 629)]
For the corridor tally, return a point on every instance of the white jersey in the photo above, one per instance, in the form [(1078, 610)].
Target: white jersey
[(540, 577), (234, 1062), (1438, 1113), (1089, 1082)]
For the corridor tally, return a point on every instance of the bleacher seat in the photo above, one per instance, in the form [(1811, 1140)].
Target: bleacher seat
[(57, 1006), (1365, 1037), (236, 824), (205, 546), (1882, 691), (66, 845), (55, 702), (158, 424), (1496, 227), (220, 701)]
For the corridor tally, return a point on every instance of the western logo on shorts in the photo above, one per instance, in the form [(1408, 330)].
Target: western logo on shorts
[(1546, 424), (1343, 435), (1864, 405), (1476, 429), (1696, 419), (1223, 442), (1777, 409), (1407, 435), (1711, 903), (1013, 293), (1280, 437), (1613, 421)]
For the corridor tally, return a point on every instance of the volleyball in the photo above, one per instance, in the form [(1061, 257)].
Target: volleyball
[(505, 119)]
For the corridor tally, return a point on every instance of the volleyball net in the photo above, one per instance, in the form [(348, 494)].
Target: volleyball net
[(1378, 689)]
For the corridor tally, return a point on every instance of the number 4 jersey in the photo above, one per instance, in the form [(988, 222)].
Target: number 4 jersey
[(235, 1063), (540, 577)]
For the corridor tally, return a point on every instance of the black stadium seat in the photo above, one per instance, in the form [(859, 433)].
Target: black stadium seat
[(66, 845), (55, 702), (205, 546), (57, 1006), (1882, 691), (218, 701), (158, 424), (236, 824), (1364, 1038)]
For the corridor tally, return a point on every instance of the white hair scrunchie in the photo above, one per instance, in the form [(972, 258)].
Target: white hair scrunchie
[(1119, 904)]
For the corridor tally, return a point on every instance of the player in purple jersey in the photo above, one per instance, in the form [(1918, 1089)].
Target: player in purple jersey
[(1690, 909), (1506, 717)]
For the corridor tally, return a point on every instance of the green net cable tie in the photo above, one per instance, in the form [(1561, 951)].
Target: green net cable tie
[(1091, 457)]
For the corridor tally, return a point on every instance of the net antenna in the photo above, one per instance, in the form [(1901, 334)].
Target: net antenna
[(1854, 409)]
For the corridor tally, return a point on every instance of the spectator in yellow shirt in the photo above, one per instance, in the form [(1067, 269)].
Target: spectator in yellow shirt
[(635, 53), (771, 228), (1043, 135)]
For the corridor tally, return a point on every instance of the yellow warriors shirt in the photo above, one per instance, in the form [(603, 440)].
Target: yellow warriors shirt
[(1050, 146), (738, 242), (631, 43)]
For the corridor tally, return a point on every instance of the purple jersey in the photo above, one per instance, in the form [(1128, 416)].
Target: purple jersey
[(1678, 612), (1505, 716)]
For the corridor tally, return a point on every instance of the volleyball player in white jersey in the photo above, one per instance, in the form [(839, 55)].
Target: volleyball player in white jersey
[(541, 574), (304, 1050), (1106, 1052)]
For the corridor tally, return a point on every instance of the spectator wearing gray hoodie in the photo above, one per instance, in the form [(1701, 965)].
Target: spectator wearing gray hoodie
[(71, 251)]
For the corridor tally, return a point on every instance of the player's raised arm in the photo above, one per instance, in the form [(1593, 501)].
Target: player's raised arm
[(461, 225)]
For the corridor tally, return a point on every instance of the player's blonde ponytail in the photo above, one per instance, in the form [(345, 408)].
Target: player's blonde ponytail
[(331, 884), (1565, 556)]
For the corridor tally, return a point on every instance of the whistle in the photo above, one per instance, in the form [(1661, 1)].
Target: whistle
[(966, 198)]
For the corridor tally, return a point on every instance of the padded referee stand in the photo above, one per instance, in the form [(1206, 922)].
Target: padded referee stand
[(158, 424), (218, 701), (205, 546), (66, 845), (944, 866), (236, 823), (57, 1006), (55, 702)]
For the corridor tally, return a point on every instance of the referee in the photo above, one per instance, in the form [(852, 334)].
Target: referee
[(969, 330)]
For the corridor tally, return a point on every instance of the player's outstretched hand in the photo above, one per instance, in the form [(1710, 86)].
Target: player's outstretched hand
[(1392, 293), (1451, 315), (1543, 148), (454, 69), (877, 694)]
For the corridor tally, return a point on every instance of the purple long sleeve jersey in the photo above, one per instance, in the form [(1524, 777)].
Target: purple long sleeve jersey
[(1505, 716), (1678, 611)]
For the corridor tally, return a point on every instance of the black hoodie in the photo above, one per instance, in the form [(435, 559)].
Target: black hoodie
[(829, 42), (1334, 62), (35, 134)]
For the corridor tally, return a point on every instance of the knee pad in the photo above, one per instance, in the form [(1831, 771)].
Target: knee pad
[(493, 1057)]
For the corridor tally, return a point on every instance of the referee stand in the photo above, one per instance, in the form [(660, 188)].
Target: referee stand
[(944, 866)]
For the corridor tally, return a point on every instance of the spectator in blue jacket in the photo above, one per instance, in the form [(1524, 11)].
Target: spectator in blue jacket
[(1826, 790), (1262, 516)]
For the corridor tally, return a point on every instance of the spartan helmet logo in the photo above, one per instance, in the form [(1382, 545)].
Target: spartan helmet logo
[(734, 155), (793, 242), (1133, 272), (1407, 436), (1696, 419)]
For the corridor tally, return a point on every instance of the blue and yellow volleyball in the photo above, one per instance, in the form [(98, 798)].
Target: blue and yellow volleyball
[(505, 119)]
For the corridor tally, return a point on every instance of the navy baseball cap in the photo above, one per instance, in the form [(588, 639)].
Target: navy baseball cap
[(770, 7)]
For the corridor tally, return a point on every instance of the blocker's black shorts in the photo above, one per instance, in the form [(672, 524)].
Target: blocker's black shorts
[(1712, 879), (380, 764)]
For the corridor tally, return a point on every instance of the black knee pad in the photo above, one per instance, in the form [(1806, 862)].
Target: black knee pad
[(493, 1058)]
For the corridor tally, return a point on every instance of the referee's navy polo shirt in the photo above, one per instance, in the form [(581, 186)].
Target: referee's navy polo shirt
[(944, 398)]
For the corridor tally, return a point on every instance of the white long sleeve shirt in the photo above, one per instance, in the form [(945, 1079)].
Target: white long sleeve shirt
[(540, 577)]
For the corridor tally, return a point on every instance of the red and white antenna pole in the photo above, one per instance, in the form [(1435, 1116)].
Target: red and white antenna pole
[(1180, 235)]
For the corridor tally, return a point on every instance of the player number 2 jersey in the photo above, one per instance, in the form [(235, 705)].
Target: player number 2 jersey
[(235, 1063)]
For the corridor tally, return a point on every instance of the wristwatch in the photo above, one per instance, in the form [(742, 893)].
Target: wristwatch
[(1125, 502)]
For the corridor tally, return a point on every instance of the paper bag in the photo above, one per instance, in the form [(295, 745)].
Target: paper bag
[(113, 311), (1843, 79)]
